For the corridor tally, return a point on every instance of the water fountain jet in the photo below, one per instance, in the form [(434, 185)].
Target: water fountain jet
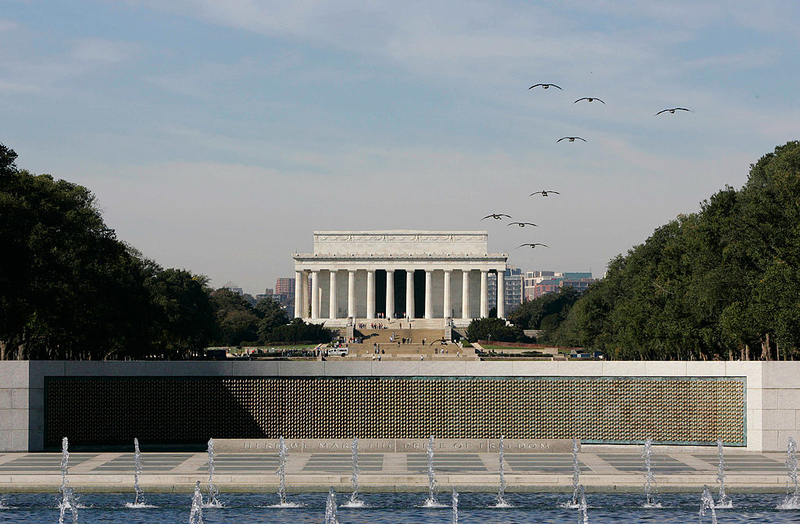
[(213, 492), (354, 501), (330, 509), (431, 502), (647, 454), (707, 503), (723, 501), (792, 500), (455, 506), (576, 476), (196, 513), (501, 494), (68, 503), (583, 508)]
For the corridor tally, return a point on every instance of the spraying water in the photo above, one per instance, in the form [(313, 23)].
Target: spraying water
[(64, 463), (354, 479), (283, 452), (196, 513), (707, 502), (137, 470), (723, 501), (431, 476), (792, 500), (68, 503), (213, 492), (501, 494), (583, 511), (576, 475), (455, 506), (647, 454), (330, 509)]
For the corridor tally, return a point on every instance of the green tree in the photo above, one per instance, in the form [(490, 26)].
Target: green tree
[(298, 331), (68, 287), (235, 319), (545, 312), (184, 318), (481, 328), (709, 285), (270, 315)]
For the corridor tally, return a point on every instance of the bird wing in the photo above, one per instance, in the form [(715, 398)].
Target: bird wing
[(556, 86), (556, 192), (530, 224), (662, 111), (599, 100), (504, 215), (540, 244), (560, 139), (536, 193), (579, 138), (487, 216), (535, 85), (681, 109), (522, 245), (513, 223)]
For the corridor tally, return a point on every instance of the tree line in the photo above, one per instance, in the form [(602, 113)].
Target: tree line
[(722, 283), (69, 289)]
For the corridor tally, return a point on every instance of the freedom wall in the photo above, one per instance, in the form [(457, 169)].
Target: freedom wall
[(749, 405)]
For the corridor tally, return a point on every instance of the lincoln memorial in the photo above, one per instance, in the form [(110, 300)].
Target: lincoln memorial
[(397, 274)]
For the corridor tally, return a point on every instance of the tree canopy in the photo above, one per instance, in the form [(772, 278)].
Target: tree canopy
[(69, 289), (720, 283)]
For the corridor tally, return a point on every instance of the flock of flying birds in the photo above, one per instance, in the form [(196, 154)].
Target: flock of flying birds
[(501, 216), (546, 192)]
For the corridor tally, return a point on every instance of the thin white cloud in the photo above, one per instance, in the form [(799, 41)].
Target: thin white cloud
[(102, 51), (16, 87), (7, 24)]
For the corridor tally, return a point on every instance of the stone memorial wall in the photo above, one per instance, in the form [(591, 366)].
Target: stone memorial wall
[(753, 405)]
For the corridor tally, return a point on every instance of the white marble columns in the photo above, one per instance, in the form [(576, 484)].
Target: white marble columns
[(304, 294), (314, 295), (389, 293), (371, 293), (465, 310), (351, 293), (428, 293), (501, 294), (448, 307), (333, 303), (298, 294), (484, 293), (320, 294), (409, 293)]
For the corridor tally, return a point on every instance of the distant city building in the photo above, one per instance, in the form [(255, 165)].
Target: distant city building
[(284, 286), (230, 286), (575, 276), (513, 288), (269, 291), (538, 283), (552, 285), (531, 279), (581, 284)]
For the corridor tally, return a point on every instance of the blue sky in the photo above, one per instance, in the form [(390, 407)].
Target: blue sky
[(218, 136)]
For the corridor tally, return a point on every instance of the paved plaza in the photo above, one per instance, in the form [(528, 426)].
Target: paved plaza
[(604, 468)]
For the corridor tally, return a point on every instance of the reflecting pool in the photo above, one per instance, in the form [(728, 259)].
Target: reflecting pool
[(477, 508)]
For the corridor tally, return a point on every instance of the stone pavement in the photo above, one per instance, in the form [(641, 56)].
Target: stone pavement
[(603, 468)]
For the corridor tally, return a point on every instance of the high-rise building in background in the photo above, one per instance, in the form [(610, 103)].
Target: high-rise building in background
[(538, 283), (513, 288), (284, 286)]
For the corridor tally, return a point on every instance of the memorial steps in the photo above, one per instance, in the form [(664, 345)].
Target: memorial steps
[(384, 336)]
